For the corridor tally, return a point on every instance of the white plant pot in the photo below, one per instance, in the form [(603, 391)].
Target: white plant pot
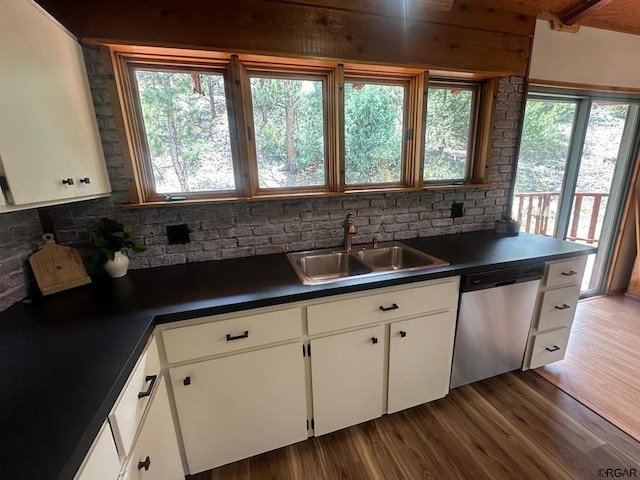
[(117, 267)]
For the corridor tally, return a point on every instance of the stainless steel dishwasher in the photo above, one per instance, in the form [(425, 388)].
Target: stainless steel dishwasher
[(493, 322)]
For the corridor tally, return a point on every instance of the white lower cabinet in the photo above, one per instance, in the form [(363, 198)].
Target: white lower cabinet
[(248, 382), (155, 455), (347, 372), (420, 353), (549, 347), (555, 309), (102, 462), (391, 365), (132, 404), (241, 405)]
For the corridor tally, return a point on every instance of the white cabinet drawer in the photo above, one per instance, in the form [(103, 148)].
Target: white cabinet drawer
[(567, 272), (549, 347), (156, 456), (102, 462), (130, 407), (386, 305), (223, 336), (558, 307)]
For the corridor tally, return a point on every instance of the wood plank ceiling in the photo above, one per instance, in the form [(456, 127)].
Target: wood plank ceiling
[(616, 15)]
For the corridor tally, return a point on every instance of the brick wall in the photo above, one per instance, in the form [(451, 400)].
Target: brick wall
[(263, 227), (20, 234)]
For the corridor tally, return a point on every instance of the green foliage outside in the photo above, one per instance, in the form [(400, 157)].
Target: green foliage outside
[(373, 117), (544, 146), (186, 122), (289, 130), (187, 131), (447, 134)]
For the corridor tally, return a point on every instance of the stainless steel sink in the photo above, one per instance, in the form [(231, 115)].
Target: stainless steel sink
[(314, 267), (396, 256), (322, 266)]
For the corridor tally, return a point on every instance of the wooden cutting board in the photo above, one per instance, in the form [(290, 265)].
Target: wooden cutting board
[(57, 267)]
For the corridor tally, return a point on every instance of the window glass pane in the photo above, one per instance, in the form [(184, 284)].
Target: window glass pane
[(595, 180), (373, 118), (446, 152), (289, 132), (544, 147), (187, 128)]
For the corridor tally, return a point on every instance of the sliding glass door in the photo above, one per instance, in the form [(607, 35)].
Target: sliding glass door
[(575, 158)]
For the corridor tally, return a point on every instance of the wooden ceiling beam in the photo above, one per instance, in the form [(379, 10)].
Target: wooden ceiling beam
[(582, 10)]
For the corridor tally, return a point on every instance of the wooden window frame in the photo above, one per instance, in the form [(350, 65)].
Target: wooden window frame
[(324, 75), (237, 70), (472, 142), (413, 102)]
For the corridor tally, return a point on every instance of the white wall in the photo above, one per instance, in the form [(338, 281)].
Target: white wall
[(591, 56)]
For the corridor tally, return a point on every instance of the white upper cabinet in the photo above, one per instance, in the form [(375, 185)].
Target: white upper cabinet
[(50, 149)]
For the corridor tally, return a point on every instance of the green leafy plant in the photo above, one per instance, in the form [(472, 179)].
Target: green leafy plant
[(110, 236), (507, 225)]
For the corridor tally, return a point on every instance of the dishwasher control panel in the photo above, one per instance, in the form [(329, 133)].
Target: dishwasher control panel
[(500, 278)]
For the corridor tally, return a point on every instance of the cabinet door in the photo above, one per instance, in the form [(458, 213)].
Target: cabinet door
[(155, 455), (420, 353), (48, 127), (347, 378), (234, 407)]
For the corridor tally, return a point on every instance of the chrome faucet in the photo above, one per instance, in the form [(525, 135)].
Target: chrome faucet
[(349, 229)]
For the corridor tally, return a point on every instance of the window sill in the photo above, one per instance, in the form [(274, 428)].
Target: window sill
[(301, 196)]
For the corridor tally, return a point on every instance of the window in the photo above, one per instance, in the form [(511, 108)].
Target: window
[(217, 126), (186, 125), (449, 132), (289, 126), (374, 118), (575, 158)]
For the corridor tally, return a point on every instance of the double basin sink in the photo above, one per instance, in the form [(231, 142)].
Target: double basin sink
[(315, 267)]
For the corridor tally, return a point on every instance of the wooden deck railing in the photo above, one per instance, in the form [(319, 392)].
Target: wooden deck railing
[(536, 212)]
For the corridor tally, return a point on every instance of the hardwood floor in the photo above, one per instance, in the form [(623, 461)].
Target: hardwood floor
[(602, 365), (515, 426)]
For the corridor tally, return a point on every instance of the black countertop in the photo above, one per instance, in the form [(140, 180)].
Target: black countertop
[(65, 358)]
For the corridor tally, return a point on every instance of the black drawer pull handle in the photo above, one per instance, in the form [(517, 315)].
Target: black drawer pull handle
[(186, 381), (67, 181), (237, 337), (152, 381), (564, 306), (374, 340), (146, 464), (403, 333), (555, 348), (569, 273), (85, 180), (392, 307)]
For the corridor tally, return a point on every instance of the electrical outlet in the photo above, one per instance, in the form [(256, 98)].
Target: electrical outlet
[(178, 234), (456, 209)]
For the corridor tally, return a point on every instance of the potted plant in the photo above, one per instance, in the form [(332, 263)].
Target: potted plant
[(507, 225), (110, 238)]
